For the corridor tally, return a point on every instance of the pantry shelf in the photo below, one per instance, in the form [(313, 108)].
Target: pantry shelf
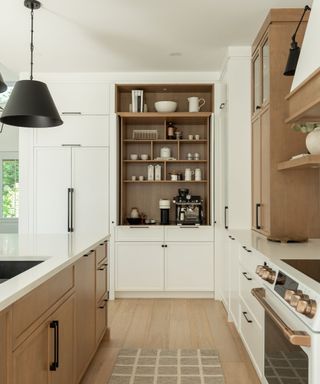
[(308, 161)]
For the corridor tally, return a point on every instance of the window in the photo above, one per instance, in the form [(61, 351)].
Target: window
[(9, 187)]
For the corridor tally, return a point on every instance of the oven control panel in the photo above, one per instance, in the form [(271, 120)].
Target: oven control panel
[(290, 291), (266, 273)]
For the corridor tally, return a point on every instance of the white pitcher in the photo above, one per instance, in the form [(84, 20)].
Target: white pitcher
[(195, 103)]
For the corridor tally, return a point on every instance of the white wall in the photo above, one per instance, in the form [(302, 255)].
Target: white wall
[(309, 59)]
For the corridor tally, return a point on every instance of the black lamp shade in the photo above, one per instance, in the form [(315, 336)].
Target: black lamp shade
[(3, 85), (31, 105), (293, 58)]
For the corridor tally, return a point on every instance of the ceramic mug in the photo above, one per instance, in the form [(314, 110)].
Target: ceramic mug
[(187, 174), (197, 174), (195, 103)]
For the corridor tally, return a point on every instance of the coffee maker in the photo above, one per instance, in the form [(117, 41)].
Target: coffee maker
[(189, 208)]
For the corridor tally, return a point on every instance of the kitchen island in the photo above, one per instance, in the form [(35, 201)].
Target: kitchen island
[(54, 315)]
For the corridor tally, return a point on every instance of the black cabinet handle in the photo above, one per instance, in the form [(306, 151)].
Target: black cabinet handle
[(258, 205), (246, 249), (258, 107), (245, 316), (70, 209), (103, 267), (55, 326), (231, 238), (245, 275), (225, 217)]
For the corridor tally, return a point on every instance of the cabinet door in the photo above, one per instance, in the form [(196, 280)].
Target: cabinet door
[(225, 272), (33, 358), (52, 180), (65, 316), (84, 98), (265, 72), (234, 280), (256, 172), (139, 266), (78, 129), (85, 270), (90, 170), (265, 172), (189, 267), (256, 82)]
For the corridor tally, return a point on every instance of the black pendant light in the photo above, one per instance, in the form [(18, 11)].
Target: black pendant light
[(3, 85), (294, 52), (30, 103)]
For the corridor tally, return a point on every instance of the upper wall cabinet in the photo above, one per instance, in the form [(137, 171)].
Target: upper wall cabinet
[(90, 131), (281, 202), (81, 98)]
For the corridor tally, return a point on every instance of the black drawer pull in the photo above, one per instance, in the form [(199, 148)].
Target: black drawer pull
[(245, 275), (245, 316), (225, 217), (258, 226), (55, 326)]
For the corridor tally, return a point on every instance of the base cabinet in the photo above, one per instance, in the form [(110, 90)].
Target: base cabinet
[(164, 266), (189, 267), (4, 346), (47, 355), (139, 266)]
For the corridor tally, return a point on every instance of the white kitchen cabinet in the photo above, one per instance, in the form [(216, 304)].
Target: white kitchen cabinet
[(252, 334), (234, 280), (71, 190), (80, 98), (83, 130), (139, 233), (139, 266), (189, 267), (225, 276), (187, 233)]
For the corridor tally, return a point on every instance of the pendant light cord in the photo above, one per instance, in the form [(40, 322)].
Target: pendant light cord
[(31, 44), (306, 8)]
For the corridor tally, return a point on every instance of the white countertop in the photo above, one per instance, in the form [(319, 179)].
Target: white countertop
[(275, 252), (58, 251)]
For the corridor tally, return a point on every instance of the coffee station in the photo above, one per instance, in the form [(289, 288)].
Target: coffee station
[(165, 146)]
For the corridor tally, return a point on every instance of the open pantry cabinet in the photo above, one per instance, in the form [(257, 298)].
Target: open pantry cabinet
[(146, 133)]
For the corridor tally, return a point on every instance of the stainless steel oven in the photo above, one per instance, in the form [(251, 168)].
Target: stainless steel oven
[(291, 348)]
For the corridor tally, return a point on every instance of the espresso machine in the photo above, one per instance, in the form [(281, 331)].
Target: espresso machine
[(189, 208)]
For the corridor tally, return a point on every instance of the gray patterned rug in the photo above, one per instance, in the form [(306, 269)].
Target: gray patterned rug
[(160, 366)]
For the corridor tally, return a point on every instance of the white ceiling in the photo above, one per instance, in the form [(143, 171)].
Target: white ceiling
[(128, 35)]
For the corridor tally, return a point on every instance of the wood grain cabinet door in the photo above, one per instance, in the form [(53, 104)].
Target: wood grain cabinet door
[(85, 311), (40, 351), (4, 347)]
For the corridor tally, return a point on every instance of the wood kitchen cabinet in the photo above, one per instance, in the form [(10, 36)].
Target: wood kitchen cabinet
[(281, 205), (5, 318), (153, 128), (85, 311), (46, 356)]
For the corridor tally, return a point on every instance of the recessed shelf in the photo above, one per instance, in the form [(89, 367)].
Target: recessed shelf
[(309, 161), (164, 115)]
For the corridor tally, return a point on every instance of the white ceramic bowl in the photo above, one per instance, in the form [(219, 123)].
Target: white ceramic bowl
[(134, 156), (165, 106), (144, 156)]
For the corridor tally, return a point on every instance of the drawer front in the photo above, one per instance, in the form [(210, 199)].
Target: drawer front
[(101, 252), (101, 279), (139, 233), (250, 260), (253, 336), (101, 319), (245, 292), (29, 308), (189, 233)]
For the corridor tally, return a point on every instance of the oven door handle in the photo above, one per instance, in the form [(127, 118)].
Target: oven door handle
[(295, 337)]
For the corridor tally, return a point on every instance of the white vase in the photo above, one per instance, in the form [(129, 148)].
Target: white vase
[(313, 141)]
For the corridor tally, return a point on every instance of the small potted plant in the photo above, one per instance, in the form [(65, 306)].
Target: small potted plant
[(313, 135)]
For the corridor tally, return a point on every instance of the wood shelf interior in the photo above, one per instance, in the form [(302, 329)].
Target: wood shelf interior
[(309, 161), (161, 92), (145, 195)]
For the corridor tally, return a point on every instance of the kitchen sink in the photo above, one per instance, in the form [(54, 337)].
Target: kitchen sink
[(12, 268)]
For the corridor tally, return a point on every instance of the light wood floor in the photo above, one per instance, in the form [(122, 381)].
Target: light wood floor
[(166, 323)]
